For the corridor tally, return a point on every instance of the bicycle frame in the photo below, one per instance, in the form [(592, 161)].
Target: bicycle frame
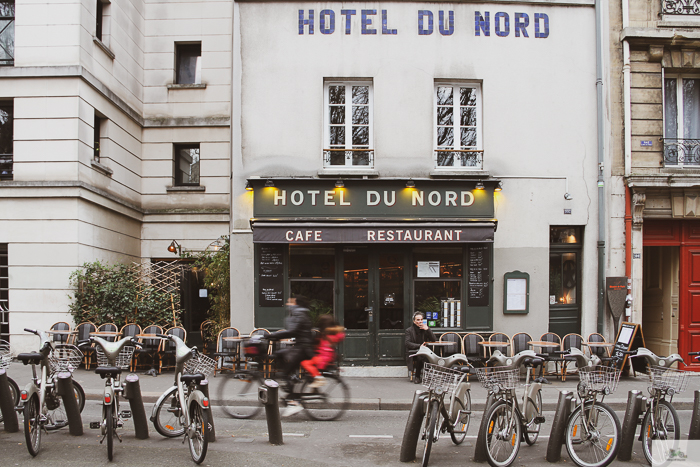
[(41, 384)]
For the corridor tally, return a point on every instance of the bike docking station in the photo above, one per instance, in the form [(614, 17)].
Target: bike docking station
[(7, 405), (556, 437), (694, 433), (64, 388), (413, 425), (635, 403), (268, 395), (132, 392), (211, 432)]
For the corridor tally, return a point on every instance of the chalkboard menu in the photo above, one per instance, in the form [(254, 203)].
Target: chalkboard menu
[(629, 337), (271, 275), (479, 275)]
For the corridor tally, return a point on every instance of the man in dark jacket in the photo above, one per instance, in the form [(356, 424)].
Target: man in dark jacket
[(416, 335)]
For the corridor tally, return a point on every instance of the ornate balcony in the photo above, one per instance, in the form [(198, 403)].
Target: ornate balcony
[(348, 157), (680, 7), (5, 166), (680, 152)]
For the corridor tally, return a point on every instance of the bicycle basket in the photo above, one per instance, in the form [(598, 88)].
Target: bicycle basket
[(65, 357), (435, 376), (599, 378), (199, 363), (122, 361), (498, 377), (665, 378), (5, 355)]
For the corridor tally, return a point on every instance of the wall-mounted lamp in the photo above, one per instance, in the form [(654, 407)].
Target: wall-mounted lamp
[(568, 196), (410, 184), (175, 248), (499, 187), (269, 183), (248, 186), (480, 185), (340, 184)]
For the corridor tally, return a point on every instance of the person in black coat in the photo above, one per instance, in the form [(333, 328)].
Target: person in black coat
[(416, 335)]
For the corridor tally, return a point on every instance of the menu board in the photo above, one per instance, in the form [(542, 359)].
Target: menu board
[(629, 337), (271, 275), (479, 275)]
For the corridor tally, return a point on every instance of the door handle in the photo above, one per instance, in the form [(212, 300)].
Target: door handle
[(370, 313)]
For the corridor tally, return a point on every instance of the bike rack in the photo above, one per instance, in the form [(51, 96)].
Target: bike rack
[(556, 437), (695, 419), (132, 392), (413, 426), (64, 388), (204, 387), (7, 405), (480, 454), (635, 402), (268, 395)]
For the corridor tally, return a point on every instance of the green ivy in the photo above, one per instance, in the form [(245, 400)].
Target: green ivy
[(216, 266)]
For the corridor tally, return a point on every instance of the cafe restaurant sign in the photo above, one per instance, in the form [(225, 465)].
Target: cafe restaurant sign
[(371, 199)]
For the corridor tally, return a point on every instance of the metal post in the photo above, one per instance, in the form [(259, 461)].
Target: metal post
[(412, 430), (268, 394), (65, 389), (629, 425), (138, 414), (7, 405), (480, 454), (695, 418), (204, 387), (556, 437)]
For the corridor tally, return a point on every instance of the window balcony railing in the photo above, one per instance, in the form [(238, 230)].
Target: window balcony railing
[(5, 166), (680, 152), (680, 7), (465, 158), (348, 157)]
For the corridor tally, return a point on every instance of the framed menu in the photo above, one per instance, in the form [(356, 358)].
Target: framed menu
[(271, 275), (516, 292), (479, 275)]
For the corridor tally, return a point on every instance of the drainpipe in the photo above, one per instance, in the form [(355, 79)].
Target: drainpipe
[(601, 163), (626, 102)]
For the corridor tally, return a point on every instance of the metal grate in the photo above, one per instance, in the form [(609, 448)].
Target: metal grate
[(199, 364), (122, 361), (599, 378), (435, 376), (668, 379), (498, 378), (4, 294), (5, 355), (65, 357)]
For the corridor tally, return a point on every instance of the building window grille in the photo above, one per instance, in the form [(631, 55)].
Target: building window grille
[(458, 126), (7, 32), (681, 121), (188, 63), (348, 125), (187, 165), (6, 140), (4, 294)]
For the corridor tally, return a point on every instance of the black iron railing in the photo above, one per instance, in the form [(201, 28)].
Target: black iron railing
[(337, 157), (5, 166), (472, 158), (681, 152), (680, 7)]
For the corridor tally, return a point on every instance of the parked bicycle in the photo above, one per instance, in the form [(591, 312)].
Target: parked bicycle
[(509, 419), (452, 417), (42, 406), (238, 392), (5, 361), (112, 358), (169, 418)]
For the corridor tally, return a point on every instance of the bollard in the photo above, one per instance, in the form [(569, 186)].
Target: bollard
[(267, 394), (480, 454), (65, 389), (629, 425), (204, 387), (556, 437), (413, 426), (7, 405), (132, 391), (694, 432)]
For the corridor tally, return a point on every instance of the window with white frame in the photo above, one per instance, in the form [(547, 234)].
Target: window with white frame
[(458, 141), (681, 120), (7, 32), (348, 134)]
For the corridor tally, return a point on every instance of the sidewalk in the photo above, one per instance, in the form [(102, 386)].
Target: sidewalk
[(377, 393)]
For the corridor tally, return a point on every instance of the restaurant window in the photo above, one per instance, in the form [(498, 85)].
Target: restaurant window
[(681, 120), (4, 294), (7, 32), (311, 274), (348, 122), (188, 66), (6, 140), (564, 265), (458, 142), (186, 164), (437, 285)]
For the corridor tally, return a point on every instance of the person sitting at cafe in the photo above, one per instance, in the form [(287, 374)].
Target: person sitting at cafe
[(416, 336)]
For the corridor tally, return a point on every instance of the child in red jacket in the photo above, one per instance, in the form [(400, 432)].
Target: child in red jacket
[(330, 335)]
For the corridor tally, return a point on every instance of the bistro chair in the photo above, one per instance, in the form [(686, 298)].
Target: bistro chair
[(456, 343), (473, 351), (519, 342), (266, 359), (60, 338), (108, 327), (82, 333), (168, 347), (150, 348), (603, 352), (130, 330), (551, 354), (571, 340), (208, 338), (498, 337), (227, 351)]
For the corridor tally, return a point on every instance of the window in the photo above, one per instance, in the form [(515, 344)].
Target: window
[(437, 285), (99, 19), (7, 32), (311, 274), (348, 124), (681, 120), (6, 140), (458, 126), (96, 138), (565, 249), (4, 294), (186, 164), (188, 63)]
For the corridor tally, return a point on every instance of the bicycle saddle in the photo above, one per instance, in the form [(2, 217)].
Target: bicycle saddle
[(189, 378), (32, 358)]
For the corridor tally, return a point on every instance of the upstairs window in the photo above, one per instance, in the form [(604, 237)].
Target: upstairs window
[(7, 32), (458, 126), (188, 63), (6, 140), (348, 124), (99, 19), (186, 164), (681, 120), (96, 138)]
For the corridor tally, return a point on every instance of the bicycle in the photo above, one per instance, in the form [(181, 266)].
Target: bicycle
[(441, 382), (238, 393), (506, 422), (112, 358), (41, 404), (168, 417), (5, 361)]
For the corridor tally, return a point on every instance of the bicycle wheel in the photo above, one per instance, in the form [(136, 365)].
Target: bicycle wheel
[(532, 410), (56, 415), (238, 394), (108, 412), (80, 395), (592, 437), (666, 431), (328, 402), (14, 392), (461, 423), (32, 428), (167, 415), (431, 433), (199, 440), (503, 434)]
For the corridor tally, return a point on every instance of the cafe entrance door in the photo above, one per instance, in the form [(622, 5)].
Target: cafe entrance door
[(372, 304)]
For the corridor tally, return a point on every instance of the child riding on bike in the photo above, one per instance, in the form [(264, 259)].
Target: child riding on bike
[(330, 334)]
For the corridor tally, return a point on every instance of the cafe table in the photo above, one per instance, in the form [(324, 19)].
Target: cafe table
[(438, 346)]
